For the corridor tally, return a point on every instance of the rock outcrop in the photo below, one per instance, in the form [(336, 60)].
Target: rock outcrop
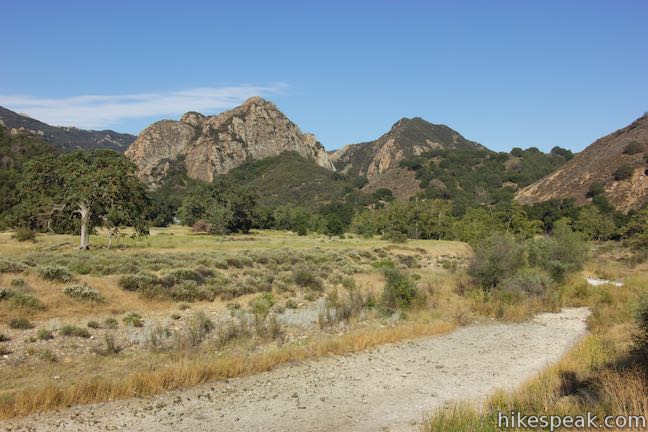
[(212, 145), (407, 138), (599, 163)]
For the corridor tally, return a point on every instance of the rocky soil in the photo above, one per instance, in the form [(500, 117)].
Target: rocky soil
[(387, 389)]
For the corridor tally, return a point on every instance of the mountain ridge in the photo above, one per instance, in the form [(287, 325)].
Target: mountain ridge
[(65, 138), (213, 145), (406, 138)]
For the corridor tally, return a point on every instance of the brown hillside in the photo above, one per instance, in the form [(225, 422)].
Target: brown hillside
[(601, 162)]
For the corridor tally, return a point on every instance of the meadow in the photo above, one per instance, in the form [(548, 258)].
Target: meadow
[(178, 308)]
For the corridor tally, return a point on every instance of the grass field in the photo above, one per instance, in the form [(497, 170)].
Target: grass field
[(178, 308)]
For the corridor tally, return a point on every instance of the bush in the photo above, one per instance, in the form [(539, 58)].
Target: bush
[(633, 148), (20, 324), (563, 252), (55, 273), (20, 300), (111, 323), (399, 291), (24, 234), (74, 331), (18, 282), (496, 258), (4, 338), (200, 226), (93, 325), (395, 237), (137, 282), (7, 266), (624, 172), (44, 334), (528, 281), (596, 188), (641, 335), (260, 306), (83, 292), (133, 319), (305, 278)]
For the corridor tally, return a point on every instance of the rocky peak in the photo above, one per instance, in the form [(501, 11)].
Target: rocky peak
[(406, 138), (212, 145)]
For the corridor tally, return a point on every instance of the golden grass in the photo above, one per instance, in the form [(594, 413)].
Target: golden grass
[(188, 372), (586, 379)]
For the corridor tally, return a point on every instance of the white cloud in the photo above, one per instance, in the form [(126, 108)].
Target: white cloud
[(101, 111)]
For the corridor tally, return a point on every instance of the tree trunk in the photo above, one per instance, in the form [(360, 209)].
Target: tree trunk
[(110, 236), (84, 211)]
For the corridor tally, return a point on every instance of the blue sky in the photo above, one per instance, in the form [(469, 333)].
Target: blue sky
[(504, 73)]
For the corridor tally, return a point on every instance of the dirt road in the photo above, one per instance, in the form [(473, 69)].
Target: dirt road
[(386, 389)]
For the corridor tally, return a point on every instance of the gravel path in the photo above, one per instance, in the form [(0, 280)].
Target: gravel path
[(386, 389)]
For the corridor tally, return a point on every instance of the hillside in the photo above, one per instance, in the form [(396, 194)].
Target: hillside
[(66, 138), (289, 178), (15, 150), (473, 177), (614, 165), (213, 145), (406, 138)]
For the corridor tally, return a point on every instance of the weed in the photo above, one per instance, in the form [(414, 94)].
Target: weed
[(74, 331), (20, 324), (111, 323), (44, 334), (93, 325), (133, 319)]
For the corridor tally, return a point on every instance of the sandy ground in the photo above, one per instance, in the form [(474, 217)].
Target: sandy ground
[(387, 389)]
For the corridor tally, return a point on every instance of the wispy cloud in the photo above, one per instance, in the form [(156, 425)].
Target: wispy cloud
[(102, 111)]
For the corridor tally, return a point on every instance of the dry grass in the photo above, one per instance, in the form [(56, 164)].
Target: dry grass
[(594, 376), (187, 371)]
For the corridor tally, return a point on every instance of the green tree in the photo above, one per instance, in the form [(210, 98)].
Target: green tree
[(496, 258), (594, 224), (100, 187)]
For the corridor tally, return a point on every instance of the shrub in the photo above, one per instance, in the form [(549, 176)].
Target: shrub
[(55, 273), (200, 226), (133, 319), (563, 252), (83, 292), (395, 237), (596, 188), (496, 258), (624, 172), (74, 331), (111, 323), (305, 278), (44, 334), (20, 300), (93, 324), (190, 291), (137, 282), (528, 281), (633, 148), (641, 335), (291, 304), (24, 234), (399, 291), (18, 282), (260, 306), (21, 324), (4, 338), (8, 266)]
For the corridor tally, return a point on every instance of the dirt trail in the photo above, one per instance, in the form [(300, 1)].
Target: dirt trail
[(386, 389)]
